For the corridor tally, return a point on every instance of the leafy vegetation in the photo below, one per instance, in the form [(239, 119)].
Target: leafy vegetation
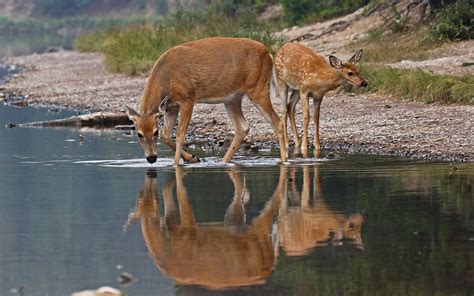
[(455, 22), (135, 49), (303, 11), (420, 85)]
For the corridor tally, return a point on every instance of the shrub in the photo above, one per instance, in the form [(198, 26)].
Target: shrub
[(297, 11), (455, 22)]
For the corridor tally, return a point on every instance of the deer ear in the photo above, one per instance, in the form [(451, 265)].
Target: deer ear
[(132, 114), (335, 62), (356, 57), (163, 105)]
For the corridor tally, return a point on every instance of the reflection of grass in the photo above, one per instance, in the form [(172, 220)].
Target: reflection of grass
[(417, 84), (135, 49)]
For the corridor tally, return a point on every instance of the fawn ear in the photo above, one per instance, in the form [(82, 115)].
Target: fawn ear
[(161, 109), (132, 114), (356, 57), (335, 62)]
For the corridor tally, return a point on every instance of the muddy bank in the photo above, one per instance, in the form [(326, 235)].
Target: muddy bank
[(373, 124)]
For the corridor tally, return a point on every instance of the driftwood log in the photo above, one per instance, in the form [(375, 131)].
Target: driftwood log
[(94, 120)]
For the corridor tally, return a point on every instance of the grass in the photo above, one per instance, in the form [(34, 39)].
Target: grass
[(420, 85), (380, 49), (391, 48), (134, 50)]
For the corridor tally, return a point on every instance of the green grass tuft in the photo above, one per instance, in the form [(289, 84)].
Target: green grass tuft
[(420, 85), (135, 49)]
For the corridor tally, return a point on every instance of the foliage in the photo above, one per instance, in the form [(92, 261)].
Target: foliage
[(417, 84), (135, 49), (455, 22), (298, 11)]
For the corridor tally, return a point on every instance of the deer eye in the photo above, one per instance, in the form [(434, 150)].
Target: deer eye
[(140, 135), (350, 73), (155, 133)]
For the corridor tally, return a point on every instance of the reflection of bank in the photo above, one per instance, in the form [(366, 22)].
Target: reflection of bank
[(312, 223), (213, 255)]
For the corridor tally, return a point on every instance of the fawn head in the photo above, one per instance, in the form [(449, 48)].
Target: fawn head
[(146, 126), (349, 71)]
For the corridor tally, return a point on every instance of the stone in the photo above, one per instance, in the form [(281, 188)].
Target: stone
[(103, 291)]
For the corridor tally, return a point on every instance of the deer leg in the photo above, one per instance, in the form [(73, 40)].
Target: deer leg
[(185, 209), (283, 93), (264, 105), (293, 192), (171, 115), (294, 98), (241, 127), (171, 212), (305, 109), (316, 142), (306, 188), (184, 119), (235, 214)]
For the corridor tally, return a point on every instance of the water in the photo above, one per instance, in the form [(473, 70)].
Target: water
[(75, 215), (28, 43)]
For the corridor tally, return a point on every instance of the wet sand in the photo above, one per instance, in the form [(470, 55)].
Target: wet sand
[(366, 123)]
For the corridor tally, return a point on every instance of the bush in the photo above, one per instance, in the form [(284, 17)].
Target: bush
[(297, 11), (455, 22)]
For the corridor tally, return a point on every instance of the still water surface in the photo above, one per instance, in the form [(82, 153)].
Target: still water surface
[(74, 216)]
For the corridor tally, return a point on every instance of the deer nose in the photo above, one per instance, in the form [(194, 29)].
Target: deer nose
[(151, 158), (363, 84)]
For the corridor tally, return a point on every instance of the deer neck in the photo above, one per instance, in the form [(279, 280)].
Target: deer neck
[(151, 96), (327, 80)]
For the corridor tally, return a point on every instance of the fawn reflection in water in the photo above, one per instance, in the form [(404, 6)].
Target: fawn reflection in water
[(229, 253), (313, 223)]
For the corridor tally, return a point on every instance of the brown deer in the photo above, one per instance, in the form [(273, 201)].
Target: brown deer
[(309, 225), (213, 70), (214, 255), (307, 74)]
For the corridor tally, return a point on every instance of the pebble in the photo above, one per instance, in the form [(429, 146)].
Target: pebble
[(103, 291)]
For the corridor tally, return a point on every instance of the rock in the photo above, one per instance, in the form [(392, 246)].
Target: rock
[(126, 278), (103, 291), (22, 103), (51, 49)]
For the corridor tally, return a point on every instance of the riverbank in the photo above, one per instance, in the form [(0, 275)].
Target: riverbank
[(368, 124)]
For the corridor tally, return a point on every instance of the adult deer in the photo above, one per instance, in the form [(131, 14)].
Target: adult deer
[(212, 70), (313, 223), (215, 255), (307, 74)]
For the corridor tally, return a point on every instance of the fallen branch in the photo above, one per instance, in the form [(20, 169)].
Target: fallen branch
[(97, 120)]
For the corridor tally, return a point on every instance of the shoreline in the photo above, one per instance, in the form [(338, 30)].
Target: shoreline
[(372, 124)]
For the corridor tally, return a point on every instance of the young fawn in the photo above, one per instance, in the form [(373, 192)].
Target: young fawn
[(213, 70), (307, 74)]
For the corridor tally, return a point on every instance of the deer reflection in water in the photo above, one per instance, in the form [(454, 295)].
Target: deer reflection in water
[(312, 223), (212, 255)]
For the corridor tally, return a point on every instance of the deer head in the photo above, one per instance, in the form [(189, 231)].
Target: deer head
[(146, 126), (349, 71)]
